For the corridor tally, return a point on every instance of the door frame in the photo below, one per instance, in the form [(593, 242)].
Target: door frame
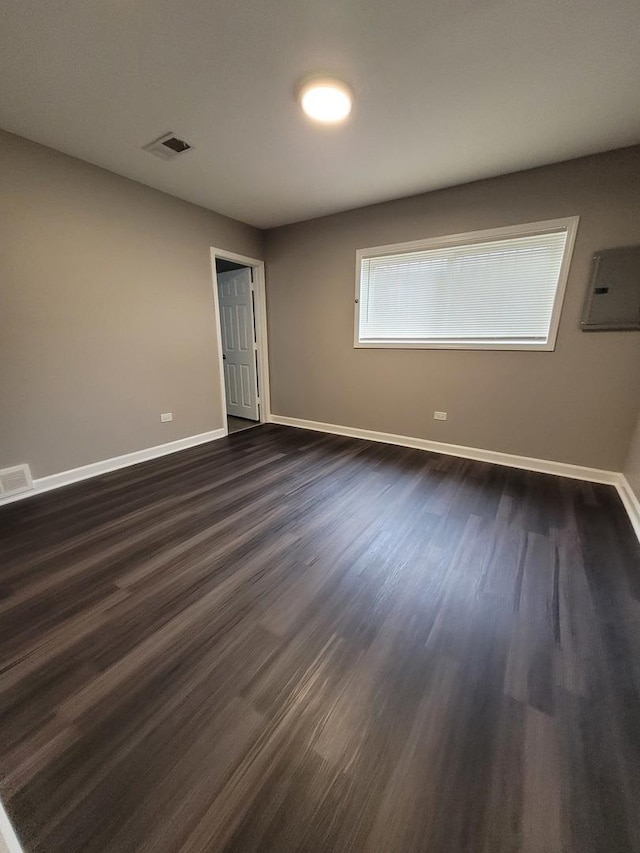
[(260, 314)]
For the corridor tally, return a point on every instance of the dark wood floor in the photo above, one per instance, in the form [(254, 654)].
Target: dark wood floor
[(237, 424), (287, 641)]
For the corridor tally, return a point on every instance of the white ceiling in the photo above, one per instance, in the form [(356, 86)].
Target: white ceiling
[(447, 91)]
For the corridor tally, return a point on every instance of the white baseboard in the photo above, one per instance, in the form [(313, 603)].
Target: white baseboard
[(8, 838), (528, 463), (75, 475), (631, 503)]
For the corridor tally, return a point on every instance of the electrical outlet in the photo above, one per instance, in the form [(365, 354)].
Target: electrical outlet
[(166, 417), (439, 416)]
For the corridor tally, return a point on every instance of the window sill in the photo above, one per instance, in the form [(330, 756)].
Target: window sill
[(459, 345)]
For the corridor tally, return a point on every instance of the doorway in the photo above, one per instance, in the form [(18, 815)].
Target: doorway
[(239, 297)]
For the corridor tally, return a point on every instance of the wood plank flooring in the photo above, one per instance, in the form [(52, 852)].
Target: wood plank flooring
[(237, 424), (287, 641)]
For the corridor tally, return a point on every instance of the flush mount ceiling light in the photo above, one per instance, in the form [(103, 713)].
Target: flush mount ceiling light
[(325, 99)]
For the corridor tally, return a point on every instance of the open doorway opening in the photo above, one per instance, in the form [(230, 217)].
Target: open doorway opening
[(241, 316)]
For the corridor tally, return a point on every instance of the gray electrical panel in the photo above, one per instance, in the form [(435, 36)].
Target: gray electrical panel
[(613, 298)]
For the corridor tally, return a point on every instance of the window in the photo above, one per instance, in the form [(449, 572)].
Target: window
[(498, 289)]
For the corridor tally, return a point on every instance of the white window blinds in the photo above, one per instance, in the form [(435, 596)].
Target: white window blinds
[(489, 292)]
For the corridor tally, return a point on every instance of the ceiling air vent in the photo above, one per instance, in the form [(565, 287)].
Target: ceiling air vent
[(168, 146), (15, 480)]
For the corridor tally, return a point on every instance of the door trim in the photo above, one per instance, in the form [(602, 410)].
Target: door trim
[(260, 313)]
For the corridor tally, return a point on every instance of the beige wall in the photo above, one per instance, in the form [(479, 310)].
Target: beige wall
[(632, 467), (576, 404), (106, 311), (106, 319)]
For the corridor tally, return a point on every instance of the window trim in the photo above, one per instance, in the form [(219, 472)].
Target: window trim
[(548, 226)]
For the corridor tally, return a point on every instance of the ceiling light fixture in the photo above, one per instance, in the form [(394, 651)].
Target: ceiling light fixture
[(326, 100)]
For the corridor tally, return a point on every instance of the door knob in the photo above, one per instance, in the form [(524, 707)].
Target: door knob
[(224, 357)]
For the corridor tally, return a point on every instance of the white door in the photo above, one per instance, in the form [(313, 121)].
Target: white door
[(238, 343)]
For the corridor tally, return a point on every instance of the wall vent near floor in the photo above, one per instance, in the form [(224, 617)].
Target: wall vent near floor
[(15, 480), (168, 146)]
